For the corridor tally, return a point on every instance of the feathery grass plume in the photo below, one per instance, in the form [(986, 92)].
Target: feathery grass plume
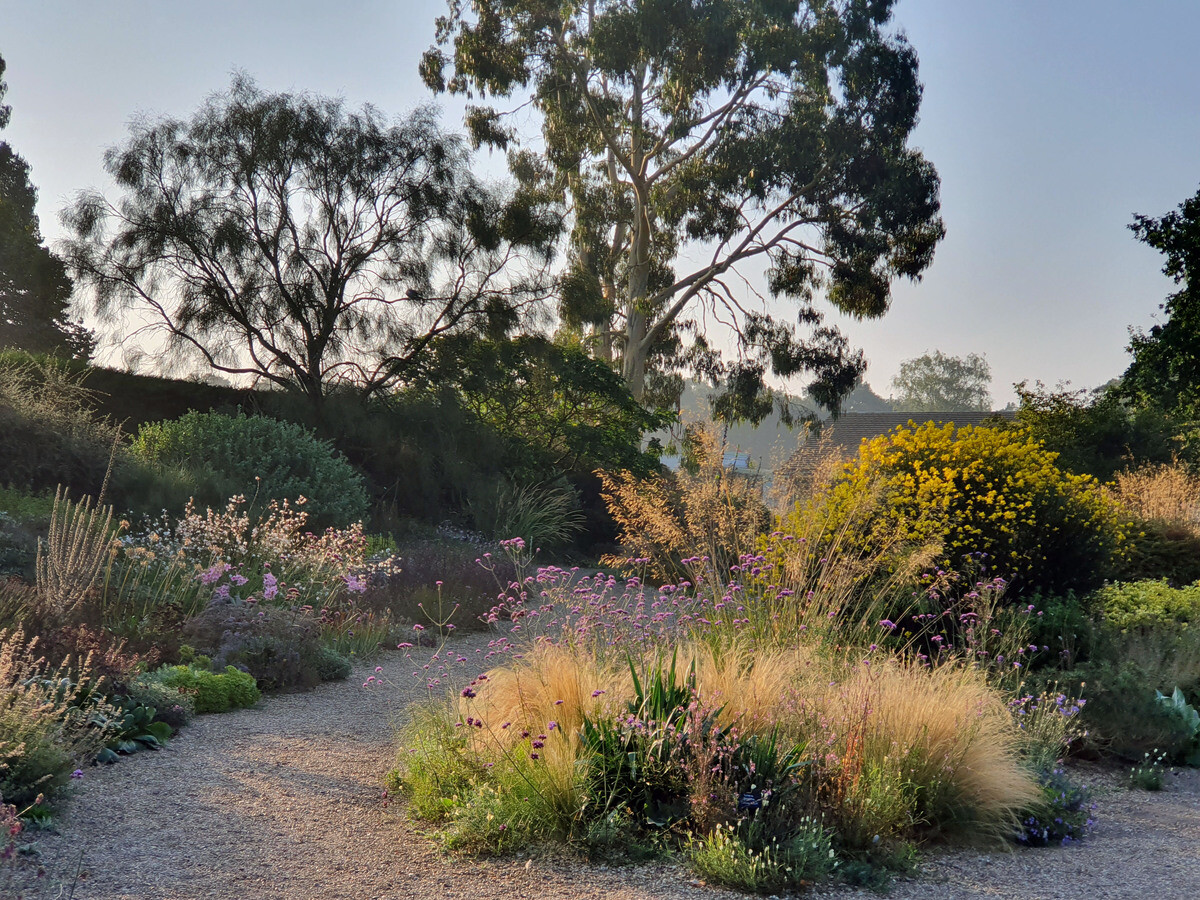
[(46, 728), (69, 560), (704, 510), (1167, 492), (817, 576), (921, 750), (900, 750)]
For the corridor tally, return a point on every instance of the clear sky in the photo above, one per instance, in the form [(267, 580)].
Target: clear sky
[(1051, 124)]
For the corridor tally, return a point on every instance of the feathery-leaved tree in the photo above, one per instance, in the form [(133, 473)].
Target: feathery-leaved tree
[(694, 137), (284, 237)]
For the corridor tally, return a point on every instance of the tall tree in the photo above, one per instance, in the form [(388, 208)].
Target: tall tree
[(284, 237), (1166, 359), (35, 290), (937, 382), (694, 138)]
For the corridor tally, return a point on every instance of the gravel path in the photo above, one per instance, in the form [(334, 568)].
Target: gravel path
[(284, 803)]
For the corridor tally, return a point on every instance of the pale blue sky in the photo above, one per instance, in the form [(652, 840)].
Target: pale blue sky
[(1050, 122)]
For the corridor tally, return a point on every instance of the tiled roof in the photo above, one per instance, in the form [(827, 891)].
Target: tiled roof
[(845, 434)]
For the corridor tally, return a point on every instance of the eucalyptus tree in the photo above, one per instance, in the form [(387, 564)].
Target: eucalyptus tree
[(696, 138), (284, 237)]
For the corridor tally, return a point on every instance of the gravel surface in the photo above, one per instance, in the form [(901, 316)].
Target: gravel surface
[(284, 802)]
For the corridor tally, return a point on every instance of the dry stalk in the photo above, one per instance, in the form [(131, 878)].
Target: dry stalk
[(69, 559)]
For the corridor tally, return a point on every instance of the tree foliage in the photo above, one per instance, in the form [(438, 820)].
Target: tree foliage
[(35, 290), (574, 412), (1098, 432), (1166, 359), (693, 138), (937, 382), (284, 237)]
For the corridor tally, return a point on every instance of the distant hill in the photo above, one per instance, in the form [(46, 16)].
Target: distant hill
[(769, 444)]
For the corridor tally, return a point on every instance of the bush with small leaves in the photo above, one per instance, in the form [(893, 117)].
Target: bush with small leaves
[(1061, 815), (981, 490), (211, 692), (45, 727), (256, 456)]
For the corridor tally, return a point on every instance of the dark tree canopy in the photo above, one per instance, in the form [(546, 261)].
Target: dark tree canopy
[(694, 137), (938, 382), (1166, 360), (285, 237), (35, 290), (574, 411)]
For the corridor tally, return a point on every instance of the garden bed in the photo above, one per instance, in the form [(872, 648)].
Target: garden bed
[(284, 801)]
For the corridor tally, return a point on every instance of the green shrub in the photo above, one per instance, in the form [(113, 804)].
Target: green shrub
[(1097, 433), (211, 692), (256, 456), (1063, 629), (1122, 715), (331, 665), (725, 857), (1158, 550), (1149, 605), (280, 648), (979, 489)]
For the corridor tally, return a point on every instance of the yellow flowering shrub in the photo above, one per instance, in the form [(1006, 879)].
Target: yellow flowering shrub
[(979, 489)]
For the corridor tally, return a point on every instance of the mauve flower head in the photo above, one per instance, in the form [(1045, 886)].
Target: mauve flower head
[(237, 579)]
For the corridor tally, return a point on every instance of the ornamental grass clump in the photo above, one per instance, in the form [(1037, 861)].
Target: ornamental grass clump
[(704, 510), (877, 749), (46, 724)]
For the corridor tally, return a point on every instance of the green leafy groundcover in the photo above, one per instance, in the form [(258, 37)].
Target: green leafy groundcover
[(213, 692)]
